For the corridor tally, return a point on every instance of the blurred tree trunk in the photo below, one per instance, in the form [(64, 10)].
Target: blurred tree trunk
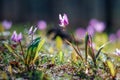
[(10, 9), (79, 11), (109, 14)]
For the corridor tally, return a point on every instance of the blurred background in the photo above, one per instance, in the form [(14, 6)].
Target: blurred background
[(79, 12)]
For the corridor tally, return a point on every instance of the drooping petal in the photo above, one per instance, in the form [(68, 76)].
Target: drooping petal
[(30, 30), (63, 20), (19, 37), (60, 17), (14, 36)]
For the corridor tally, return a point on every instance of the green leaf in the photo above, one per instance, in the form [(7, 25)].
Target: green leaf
[(10, 69), (97, 54), (74, 57), (91, 53), (28, 55), (33, 49), (59, 42), (17, 56), (100, 49), (3, 75), (61, 57), (112, 68), (76, 49), (53, 60), (38, 75), (86, 45), (38, 49), (11, 50)]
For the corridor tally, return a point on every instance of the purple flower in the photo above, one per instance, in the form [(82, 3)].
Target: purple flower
[(117, 52), (63, 20), (80, 33), (42, 25), (90, 30), (93, 22), (19, 37), (118, 33), (112, 37), (7, 24), (97, 25), (31, 31), (16, 37)]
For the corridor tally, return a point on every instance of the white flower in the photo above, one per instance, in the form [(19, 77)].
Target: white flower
[(117, 52)]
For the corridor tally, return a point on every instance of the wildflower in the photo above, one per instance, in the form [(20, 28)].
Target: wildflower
[(117, 52), (19, 37), (13, 37), (93, 22), (7, 24), (80, 33), (42, 25), (16, 37), (31, 31), (90, 30), (112, 37), (63, 20), (97, 25)]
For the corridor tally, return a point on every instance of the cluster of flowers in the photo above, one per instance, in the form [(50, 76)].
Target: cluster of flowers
[(93, 27), (8, 24)]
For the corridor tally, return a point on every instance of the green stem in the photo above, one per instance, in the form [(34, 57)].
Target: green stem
[(21, 48), (32, 38)]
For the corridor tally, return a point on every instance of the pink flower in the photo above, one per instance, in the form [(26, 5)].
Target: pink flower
[(19, 37), (80, 33), (42, 25), (16, 37), (63, 20), (7, 24), (90, 30), (97, 25), (31, 31), (93, 22), (117, 52)]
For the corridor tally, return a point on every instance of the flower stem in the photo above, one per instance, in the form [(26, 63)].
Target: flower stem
[(32, 38), (21, 48)]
